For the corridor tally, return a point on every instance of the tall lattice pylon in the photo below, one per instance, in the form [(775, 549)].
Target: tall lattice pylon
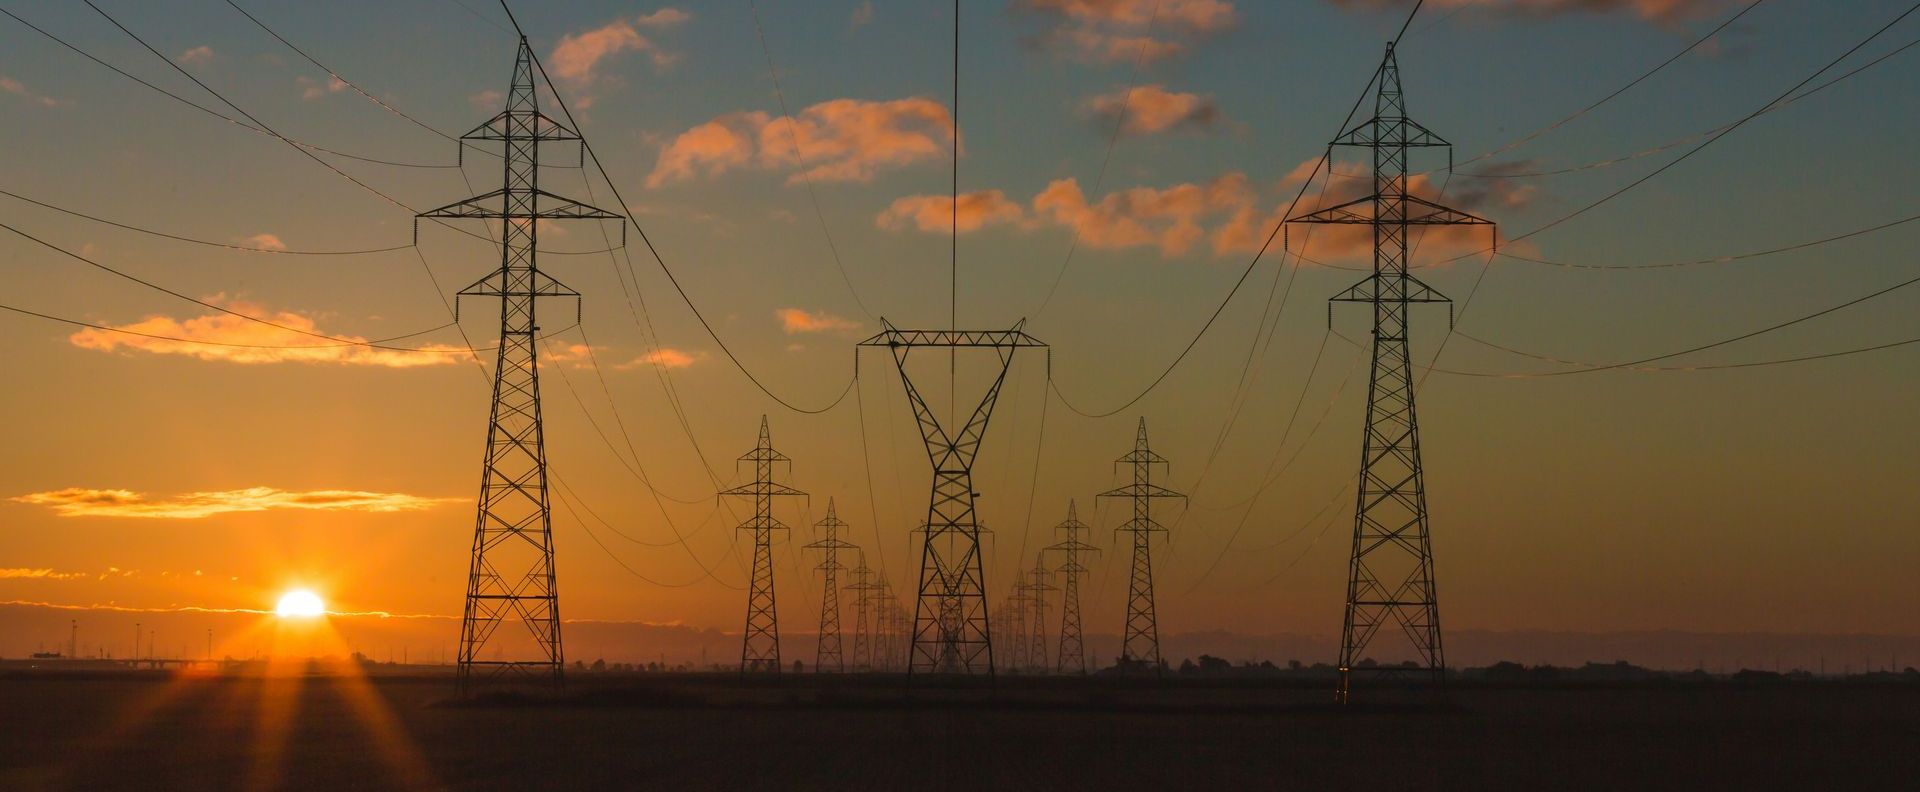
[(1037, 588), (1140, 645), (950, 631), (1072, 656), (760, 646), (1014, 612), (1390, 571), (863, 622), (511, 573), (827, 656)]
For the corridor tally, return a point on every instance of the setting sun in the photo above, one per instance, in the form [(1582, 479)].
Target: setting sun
[(299, 604)]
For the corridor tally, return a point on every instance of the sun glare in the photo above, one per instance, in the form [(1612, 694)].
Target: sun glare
[(299, 604)]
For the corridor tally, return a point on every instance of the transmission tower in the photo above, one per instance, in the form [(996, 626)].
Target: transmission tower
[(1013, 613), (511, 574), (1072, 655), (1037, 624), (827, 653), (1390, 573), (1141, 644), (863, 622), (760, 646), (950, 632)]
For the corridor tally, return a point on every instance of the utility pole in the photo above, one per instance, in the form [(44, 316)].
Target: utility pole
[(73, 639), (1141, 643), (827, 653), (511, 573), (760, 647), (1390, 571), (1037, 624), (950, 630), (1072, 656)]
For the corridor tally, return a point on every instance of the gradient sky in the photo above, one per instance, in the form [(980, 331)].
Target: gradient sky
[(1778, 499)]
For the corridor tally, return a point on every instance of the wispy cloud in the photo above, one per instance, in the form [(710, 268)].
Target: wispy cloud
[(231, 339), (664, 357), (264, 242), (198, 56), (86, 502), (315, 89), (940, 214), (1665, 12), (19, 573), (578, 57), (1148, 109), (796, 320), (841, 139), (17, 88), (1125, 31), (862, 16)]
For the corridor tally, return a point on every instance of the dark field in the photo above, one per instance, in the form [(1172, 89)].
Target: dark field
[(123, 730)]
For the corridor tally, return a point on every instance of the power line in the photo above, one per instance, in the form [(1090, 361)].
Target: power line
[(205, 342), (1716, 259), (209, 111), (208, 243), (793, 135)]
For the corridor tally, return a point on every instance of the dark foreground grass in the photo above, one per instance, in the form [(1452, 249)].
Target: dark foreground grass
[(122, 730)]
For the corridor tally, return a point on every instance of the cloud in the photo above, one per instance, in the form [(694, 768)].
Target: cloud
[(231, 339), (17, 88), (1170, 219), (314, 89), (1665, 12), (664, 357), (200, 55), (1149, 109), (842, 140), (489, 100), (862, 16), (83, 502), (264, 242), (937, 213), (578, 55), (797, 320), (39, 574), (1109, 31)]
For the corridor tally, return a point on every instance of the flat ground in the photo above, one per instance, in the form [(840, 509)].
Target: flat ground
[(153, 730)]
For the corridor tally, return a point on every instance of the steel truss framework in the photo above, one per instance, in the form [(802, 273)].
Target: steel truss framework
[(1390, 573), (511, 572), (864, 643), (1072, 656), (760, 645), (1037, 588), (1140, 645), (827, 655), (950, 632)]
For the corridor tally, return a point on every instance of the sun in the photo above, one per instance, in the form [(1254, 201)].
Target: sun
[(300, 604)]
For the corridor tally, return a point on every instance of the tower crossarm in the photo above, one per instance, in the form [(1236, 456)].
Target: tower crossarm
[(1416, 211), (1390, 131)]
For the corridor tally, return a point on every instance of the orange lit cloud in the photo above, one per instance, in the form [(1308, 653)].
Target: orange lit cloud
[(264, 242), (1661, 11), (250, 342), (17, 88), (18, 573), (1487, 197), (938, 213), (1108, 31), (578, 55), (1152, 108), (200, 55), (841, 140), (664, 357), (796, 320), (83, 502), (1169, 219), (314, 89)]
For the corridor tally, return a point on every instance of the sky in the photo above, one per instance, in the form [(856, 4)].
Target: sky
[(147, 475)]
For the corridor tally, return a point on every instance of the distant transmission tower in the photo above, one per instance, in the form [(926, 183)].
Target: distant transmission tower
[(1390, 575), (760, 646), (863, 623), (1013, 616), (1037, 623), (511, 573), (1073, 652), (827, 654), (1140, 647), (950, 632)]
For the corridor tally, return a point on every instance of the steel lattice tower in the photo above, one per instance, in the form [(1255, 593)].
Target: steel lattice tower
[(1014, 613), (863, 625), (1073, 654), (1390, 573), (1141, 643), (760, 646), (950, 631), (828, 649), (511, 574), (1037, 624)]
